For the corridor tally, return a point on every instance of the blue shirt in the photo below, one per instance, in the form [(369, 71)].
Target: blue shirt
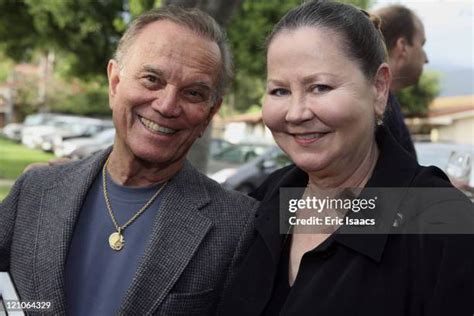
[(97, 277)]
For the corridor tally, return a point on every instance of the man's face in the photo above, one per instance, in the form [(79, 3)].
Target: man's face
[(162, 95), (416, 57)]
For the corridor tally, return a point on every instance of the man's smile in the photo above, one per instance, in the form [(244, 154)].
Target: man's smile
[(154, 127)]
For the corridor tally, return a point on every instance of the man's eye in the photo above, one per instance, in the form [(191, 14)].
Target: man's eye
[(152, 79), (320, 88), (152, 82), (195, 96), (279, 92)]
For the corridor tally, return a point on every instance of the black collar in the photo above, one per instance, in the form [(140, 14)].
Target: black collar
[(395, 168)]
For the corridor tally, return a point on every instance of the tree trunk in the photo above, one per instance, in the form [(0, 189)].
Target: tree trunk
[(222, 12)]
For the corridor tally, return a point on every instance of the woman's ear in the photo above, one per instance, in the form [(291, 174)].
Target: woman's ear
[(381, 83)]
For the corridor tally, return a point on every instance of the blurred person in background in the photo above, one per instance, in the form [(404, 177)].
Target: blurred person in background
[(327, 87), (404, 36)]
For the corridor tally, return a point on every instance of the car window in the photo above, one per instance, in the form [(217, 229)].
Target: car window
[(239, 153)]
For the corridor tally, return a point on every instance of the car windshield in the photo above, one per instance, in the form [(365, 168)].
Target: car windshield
[(36, 119)]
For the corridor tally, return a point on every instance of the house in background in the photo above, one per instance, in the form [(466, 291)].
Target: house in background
[(450, 119), (242, 128)]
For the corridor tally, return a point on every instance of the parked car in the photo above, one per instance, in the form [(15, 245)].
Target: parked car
[(234, 155), (13, 131), (249, 176), (86, 127), (80, 147), (217, 145), (454, 159), (61, 125)]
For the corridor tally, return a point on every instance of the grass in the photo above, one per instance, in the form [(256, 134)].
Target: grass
[(14, 158), (4, 189)]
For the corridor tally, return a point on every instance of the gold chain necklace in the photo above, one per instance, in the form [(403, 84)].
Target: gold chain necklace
[(116, 240)]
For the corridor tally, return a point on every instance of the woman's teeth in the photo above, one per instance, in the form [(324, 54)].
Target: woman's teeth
[(310, 136)]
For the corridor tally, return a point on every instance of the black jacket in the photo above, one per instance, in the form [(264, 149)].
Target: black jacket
[(395, 123), (382, 273)]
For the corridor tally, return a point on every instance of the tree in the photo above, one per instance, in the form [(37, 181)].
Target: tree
[(84, 32), (415, 100), (222, 11)]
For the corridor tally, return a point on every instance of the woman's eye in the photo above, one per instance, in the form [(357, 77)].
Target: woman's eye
[(319, 88), (279, 92)]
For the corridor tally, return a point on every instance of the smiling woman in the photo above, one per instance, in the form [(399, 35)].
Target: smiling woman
[(327, 90)]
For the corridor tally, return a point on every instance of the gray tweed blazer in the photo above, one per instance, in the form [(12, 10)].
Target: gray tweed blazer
[(199, 234)]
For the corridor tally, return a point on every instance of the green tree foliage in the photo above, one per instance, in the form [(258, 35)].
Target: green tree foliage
[(84, 31), (6, 66), (82, 98), (415, 100)]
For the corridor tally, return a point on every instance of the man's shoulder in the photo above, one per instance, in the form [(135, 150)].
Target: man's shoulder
[(52, 174), (220, 195)]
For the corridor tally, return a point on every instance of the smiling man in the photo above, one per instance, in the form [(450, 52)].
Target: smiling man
[(136, 229)]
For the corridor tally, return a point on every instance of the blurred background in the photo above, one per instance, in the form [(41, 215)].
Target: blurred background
[(53, 88)]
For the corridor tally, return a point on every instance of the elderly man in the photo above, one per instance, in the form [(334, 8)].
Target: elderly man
[(404, 36), (136, 229)]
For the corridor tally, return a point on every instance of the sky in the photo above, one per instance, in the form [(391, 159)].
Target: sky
[(449, 28)]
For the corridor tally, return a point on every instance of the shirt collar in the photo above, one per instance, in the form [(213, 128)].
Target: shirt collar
[(395, 169)]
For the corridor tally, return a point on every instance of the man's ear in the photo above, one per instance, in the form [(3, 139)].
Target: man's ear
[(381, 85), (215, 108), (401, 47), (113, 74)]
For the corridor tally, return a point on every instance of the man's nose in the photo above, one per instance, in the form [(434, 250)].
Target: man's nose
[(167, 102), (426, 57), (298, 110)]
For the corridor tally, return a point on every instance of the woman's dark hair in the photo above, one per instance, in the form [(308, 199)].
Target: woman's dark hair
[(359, 30)]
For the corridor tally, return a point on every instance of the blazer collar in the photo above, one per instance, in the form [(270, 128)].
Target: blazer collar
[(177, 233), (395, 169), (61, 202)]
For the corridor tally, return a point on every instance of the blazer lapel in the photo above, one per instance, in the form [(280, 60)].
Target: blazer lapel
[(59, 207), (178, 231)]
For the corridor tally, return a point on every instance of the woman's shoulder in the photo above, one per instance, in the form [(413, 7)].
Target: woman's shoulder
[(436, 206)]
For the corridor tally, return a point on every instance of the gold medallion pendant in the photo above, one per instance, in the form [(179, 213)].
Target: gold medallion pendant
[(116, 241)]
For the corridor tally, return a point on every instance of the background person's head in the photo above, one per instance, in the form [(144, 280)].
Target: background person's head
[(166, 82), (327, 85), (404, 36)]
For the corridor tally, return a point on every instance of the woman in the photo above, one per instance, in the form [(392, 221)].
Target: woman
[(327, 89)]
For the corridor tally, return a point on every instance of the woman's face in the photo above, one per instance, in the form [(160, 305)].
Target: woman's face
[(319, 105)]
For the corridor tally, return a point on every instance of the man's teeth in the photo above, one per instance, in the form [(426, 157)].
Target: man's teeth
[(310, 136), (155, 127)]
